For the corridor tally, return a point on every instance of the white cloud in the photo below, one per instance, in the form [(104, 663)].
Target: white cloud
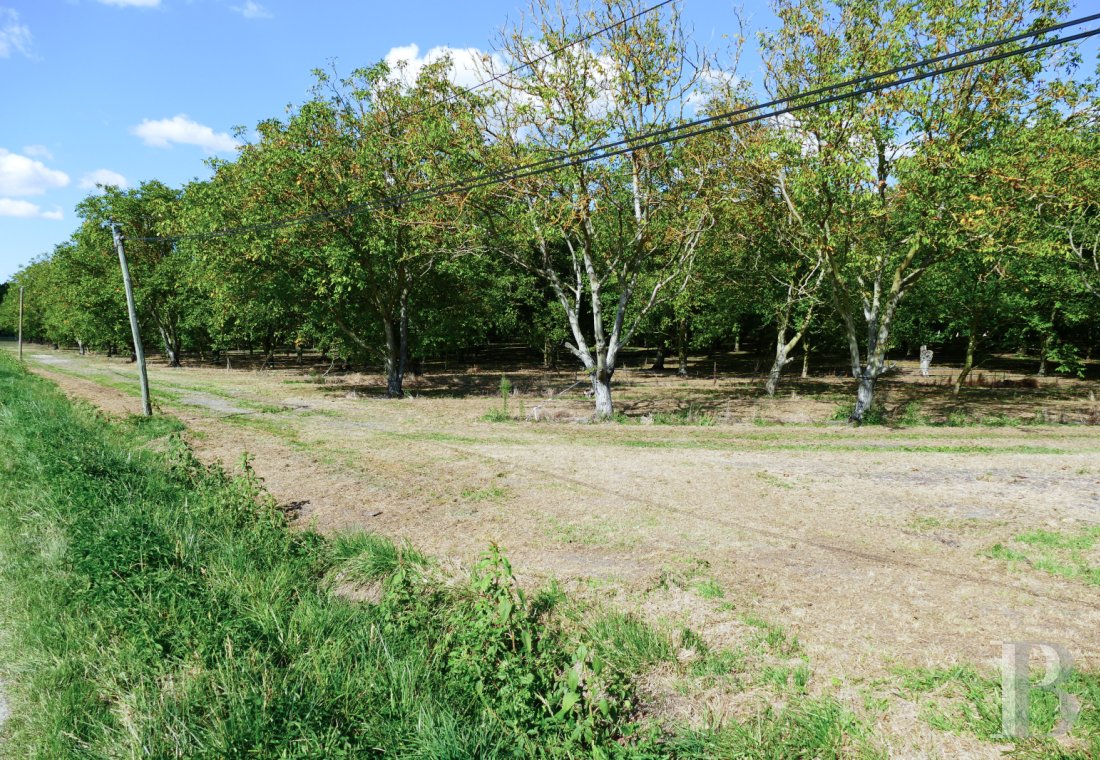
[(27, 210), (162, 133), (38, 151), (712, 82), (14, 36), (102, 177), (20, 175), (468, 64), (132, 3), (252, 9)]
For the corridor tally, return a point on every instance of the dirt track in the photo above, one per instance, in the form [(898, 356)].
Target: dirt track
[(868, 544)]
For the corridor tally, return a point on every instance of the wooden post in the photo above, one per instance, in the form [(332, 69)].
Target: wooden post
[(21, 323), (139, 350)]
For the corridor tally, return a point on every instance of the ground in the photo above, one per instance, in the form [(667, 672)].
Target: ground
[(878, 548)]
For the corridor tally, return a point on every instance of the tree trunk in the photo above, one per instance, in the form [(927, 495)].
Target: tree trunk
[(926, 359), (682, 348), (865, 393), (1043, 351), (601, 389), (394, 370), (659, 360), (80, 346), (171, 347), (777, 366), (968, 364), (1048, 340), (805, 359), (397, 350), (781, 349), (549, 352)]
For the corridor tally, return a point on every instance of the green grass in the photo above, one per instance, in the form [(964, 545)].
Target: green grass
[(629, 642), (821, 729), (490, 493), (709, 589), (155, 607), (497, 415), (885, 448), (370, 558), (772, 638), (691, 415), (962, 700), (1062, 553)]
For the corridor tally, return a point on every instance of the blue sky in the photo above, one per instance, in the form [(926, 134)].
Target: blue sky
[(80, 79), (130, 90)]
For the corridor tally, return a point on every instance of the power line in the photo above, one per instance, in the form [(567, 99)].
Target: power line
[(543, 57), (677, 132)]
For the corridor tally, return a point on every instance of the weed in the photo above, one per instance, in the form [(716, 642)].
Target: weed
[(922, 522), (771, 638), (497, 415), (692, 415), (491, 493), (1067, 555), (773, 480), (958, 418), (709, 589), (876, 415), (786, 677), (964, 701), (1002, 552), (628, 642), (368, 557), (818, 728), (911, 415)]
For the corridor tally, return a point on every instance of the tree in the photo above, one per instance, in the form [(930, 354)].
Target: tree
[(614, 237), (351, 162), (164, 282), (898, 172)]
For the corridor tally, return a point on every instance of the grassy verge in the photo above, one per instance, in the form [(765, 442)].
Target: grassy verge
[(155, 607)]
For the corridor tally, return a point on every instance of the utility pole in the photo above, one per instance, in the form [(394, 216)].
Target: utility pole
[(20, 323), (139, 350)]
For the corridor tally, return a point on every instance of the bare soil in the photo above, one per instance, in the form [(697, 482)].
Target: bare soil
[(868, 544)]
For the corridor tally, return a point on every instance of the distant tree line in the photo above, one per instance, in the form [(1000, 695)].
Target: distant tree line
[(958, 211)]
